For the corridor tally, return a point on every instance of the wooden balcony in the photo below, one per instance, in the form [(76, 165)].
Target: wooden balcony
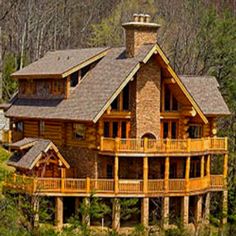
[(106, 187), (163, 146)]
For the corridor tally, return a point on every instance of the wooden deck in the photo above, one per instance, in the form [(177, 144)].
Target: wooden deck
[(163, 146), (106, 187)]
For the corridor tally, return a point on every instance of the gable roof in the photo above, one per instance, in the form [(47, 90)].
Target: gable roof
[(205, 91), (60, 63), (36, 148), (88, 100)]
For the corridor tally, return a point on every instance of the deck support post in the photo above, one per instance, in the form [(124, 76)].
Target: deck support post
[(145, 212), (116, 214), (35, 204), (77, 205), (145, 174), (165, 214), (167, 171), (225, 172), (225, 206), (116, 174), (207, 208), (86, 215), (59, 212), (185, 210), (198, 209)]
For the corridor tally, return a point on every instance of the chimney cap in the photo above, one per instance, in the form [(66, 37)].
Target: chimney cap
[(141, 20)]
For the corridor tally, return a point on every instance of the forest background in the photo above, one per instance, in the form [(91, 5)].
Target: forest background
[(198, 36)]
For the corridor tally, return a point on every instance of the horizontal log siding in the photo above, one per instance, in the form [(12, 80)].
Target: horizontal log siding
[(31, 128), (54, 131)]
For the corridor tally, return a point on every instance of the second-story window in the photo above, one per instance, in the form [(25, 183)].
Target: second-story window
[(79, 131), (115, 129)]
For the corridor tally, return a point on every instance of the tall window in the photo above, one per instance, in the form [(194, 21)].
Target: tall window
[(170, 102), (121, 102), (115, 129), (169, 129), (19, 126), (195, 131)]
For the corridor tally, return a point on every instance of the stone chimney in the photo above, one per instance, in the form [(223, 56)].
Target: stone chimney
[(139, 32)]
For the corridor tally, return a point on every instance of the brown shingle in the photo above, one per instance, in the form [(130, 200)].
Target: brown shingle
[(30, 156), (58, 62), (90, 96), (205, 91)]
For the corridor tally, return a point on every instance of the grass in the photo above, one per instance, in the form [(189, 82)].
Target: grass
[(4, 168)]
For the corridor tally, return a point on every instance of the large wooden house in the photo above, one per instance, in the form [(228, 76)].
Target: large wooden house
[(120, 123)]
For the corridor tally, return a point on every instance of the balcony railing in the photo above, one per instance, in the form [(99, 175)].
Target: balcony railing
[(107, 186), (163, 145)]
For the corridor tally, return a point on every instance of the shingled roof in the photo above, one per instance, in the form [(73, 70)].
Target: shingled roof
[(35, 149), (90, 96), (205, 91), (58, 62)]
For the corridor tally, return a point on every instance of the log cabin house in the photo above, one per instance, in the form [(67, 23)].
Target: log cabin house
[(118, 122)]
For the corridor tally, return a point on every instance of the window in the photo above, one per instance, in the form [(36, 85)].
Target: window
[(195, 131), (173, 130), (123, 129), (125, 104), (115, 129), (167, 98), (170, 102), (165, 130), (79, 131), (114, 105), (19, 126), (109, 171), (170, 129), (74, 79), (106, 129)]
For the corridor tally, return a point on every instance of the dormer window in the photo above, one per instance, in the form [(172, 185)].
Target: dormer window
[(74, 79)]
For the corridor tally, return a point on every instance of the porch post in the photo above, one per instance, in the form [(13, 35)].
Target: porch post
[(145, 212), (202, 166), (35, 203), (59, 212), (225, 172), (185, 210), (166, 203), (198, 209), (86, 215), (145, 174), (167, 172), (187, 173), (207, 208), (116, 174), (225, 206), (116, 214)]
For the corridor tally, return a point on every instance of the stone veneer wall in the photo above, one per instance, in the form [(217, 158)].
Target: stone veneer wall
[(145, 100), (136, 37), (83, 161)]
